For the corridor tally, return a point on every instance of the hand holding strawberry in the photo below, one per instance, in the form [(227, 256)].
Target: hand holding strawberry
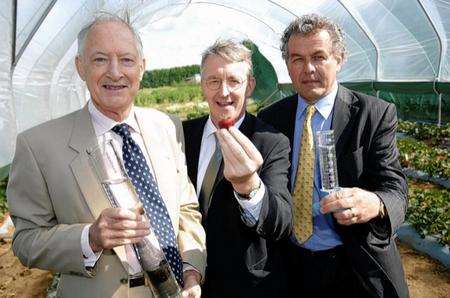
[(241, 159)]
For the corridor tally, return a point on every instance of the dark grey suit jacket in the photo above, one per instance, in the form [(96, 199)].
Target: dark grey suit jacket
[(245, 261), (367, 157)]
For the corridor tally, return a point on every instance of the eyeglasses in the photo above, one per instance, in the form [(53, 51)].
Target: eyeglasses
[(233, 84)]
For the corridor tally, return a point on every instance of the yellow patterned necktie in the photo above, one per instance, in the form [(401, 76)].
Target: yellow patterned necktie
[(303, 190)]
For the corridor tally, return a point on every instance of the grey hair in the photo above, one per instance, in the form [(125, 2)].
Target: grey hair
[(230, 50), (310, 24), (105, 17)]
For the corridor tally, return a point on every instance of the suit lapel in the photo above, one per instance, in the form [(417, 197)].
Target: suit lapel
[(193, 154), (288, 122), (84, 140), (342, 124)]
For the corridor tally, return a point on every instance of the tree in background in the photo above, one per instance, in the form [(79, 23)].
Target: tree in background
[(168, 76)]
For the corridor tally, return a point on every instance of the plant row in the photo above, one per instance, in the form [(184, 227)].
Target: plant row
[(169, 94), (168, 76), (429, 210), (432, 160), (3, 204), (433, 134)]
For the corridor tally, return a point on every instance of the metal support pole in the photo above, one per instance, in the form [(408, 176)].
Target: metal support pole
[(439, 109), (439, 94), (14, 34)]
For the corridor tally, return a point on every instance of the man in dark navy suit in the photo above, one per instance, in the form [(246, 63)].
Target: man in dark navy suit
[(343, 244)]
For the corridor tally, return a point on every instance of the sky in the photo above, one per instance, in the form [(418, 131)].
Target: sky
[(180, 39)]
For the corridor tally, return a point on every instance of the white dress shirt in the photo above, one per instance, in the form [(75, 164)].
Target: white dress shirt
[(207, 148)]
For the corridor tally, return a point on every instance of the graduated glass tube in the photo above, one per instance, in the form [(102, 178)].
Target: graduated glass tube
[(327, 161), (106, 163)]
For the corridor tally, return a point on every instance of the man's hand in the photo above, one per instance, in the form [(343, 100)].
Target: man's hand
[(191, 284), (241, 160), (351, 205), (115, 227)]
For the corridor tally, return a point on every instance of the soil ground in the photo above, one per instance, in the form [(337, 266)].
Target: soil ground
[(425, 277), (17, 280)]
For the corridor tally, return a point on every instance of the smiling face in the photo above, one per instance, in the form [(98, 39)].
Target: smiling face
[(112, 68), (312, 65), (234, 87)]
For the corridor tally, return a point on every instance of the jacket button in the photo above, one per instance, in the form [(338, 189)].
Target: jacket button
[(124, 280)]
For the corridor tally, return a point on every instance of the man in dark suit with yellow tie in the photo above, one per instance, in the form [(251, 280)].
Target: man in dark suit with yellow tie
[(240, 174), (344, 243)]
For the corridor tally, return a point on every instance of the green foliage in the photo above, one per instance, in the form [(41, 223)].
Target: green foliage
[(433, 134), (196, 112), (429, 211), (416, 154), (3, 203), (169, 76), (179, 94), (4, 172), (264, 73)]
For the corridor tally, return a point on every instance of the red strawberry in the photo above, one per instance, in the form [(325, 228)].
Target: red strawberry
[(226, 123)]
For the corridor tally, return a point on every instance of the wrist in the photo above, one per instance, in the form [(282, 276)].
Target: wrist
[(244, 189), (95, 248), (191, 276)]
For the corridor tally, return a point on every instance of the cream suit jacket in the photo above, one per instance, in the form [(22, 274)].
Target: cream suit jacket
[(53, 192)]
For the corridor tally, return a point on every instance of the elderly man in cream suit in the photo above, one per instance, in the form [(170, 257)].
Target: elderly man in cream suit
[(64, 222)]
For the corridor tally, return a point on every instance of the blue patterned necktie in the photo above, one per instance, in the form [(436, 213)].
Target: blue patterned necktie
[(148, 192)]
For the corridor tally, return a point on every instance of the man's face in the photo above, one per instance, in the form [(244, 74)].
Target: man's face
[(233, 85), (312, 64), (111, 67)]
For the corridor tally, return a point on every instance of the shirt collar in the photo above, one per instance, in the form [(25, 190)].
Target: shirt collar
[(103, 124), (324, 105), (210, 128)]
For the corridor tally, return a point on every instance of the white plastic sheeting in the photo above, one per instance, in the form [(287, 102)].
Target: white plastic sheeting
[(388, 40), (7, 120), (28, 18)]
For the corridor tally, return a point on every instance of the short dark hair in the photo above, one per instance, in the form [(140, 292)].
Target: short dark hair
[(310, 24)]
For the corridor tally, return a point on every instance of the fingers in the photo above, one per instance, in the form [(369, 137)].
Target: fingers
[(351, 205), (117, 226), (347, 216), (342, 199), (231, 149), (191, 284), (121, 213), (193, 292), (241, 158), (238, 145), (129, 225), (247, 145)]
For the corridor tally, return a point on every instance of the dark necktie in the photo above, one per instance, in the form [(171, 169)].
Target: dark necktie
[(148, 192), (209, 179)]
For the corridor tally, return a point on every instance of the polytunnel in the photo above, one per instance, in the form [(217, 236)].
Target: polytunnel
[(398, 49)]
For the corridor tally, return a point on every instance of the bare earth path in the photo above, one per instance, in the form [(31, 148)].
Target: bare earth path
[(426, 278)]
